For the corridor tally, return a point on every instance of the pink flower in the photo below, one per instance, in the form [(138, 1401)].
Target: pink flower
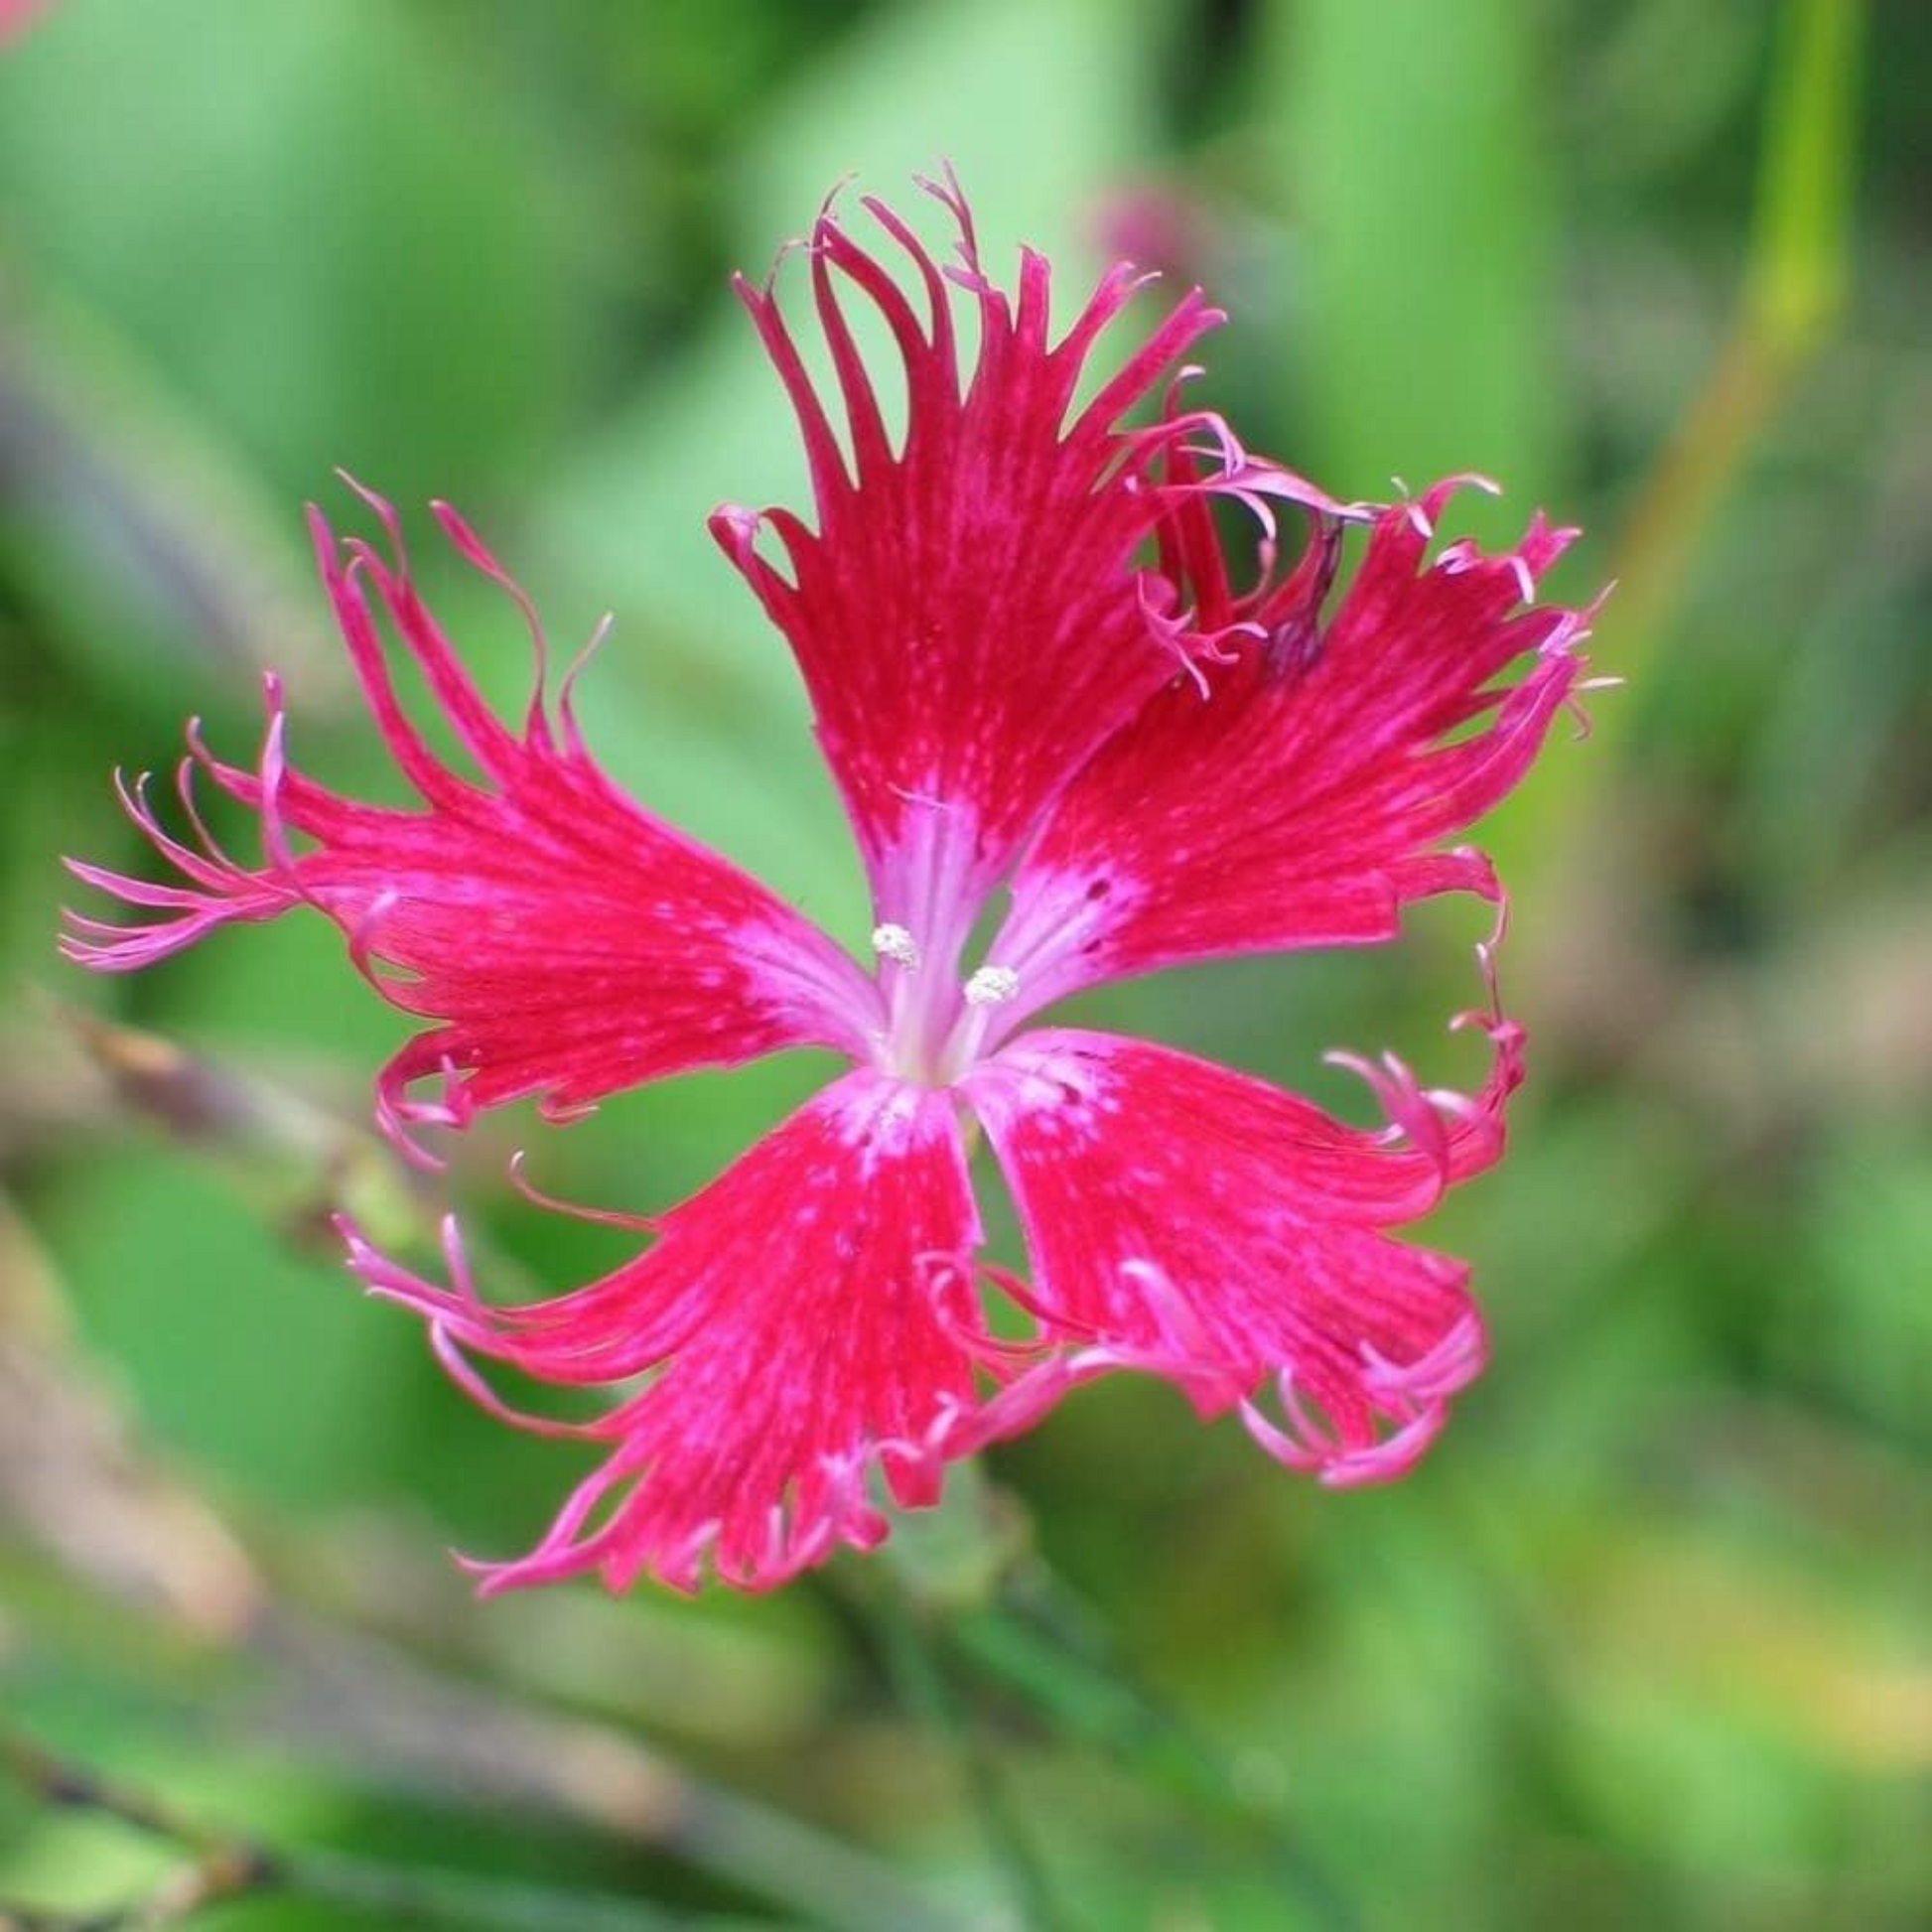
[(1031, 671)]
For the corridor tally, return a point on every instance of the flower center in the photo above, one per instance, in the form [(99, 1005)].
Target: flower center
[(935, 1021)]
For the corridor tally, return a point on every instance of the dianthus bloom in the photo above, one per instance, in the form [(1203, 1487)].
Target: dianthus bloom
[(1031, 672)]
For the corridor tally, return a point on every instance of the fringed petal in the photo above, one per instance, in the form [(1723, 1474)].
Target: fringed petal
[(809, 1332), (219, 891), (969, 614), (1303, 799), (1194, 1223), (566, 943)]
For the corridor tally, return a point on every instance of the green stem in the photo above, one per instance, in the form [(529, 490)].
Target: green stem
[(221, 1868), (1042, 1642), (824, 1883), (918, 1676), (468, 1903), (1795, 281)]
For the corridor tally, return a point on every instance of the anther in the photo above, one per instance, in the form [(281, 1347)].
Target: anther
[(894, 942), (992, 986)]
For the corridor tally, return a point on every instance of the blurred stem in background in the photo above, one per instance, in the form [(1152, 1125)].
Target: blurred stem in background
[(132, 502), (922, 1682), (1044, 1643), (1419, 293), (217, 1868), (1796, 276), (964, 1611)]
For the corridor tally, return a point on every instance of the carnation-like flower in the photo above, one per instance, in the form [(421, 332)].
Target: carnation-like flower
[(1033, 674)]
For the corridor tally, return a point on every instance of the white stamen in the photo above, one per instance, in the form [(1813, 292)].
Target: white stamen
[(992, 986), (894, 942)]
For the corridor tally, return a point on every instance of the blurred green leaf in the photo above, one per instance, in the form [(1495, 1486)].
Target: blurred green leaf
[(317, 218), (260, 1365), (1420, 186)]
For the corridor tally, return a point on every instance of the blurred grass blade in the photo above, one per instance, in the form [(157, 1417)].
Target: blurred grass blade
[(1794, 289), (73, 1474), (1795, 284), (296, 1163), (225, 1869), (1040, 1642), (135, 521), (1422, 209), (1801, 247), (1421, 205)]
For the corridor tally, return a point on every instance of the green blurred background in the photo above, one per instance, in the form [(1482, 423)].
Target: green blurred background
[(1646, 1640)]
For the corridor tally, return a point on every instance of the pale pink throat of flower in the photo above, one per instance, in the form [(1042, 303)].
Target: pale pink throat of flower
[(1158, 762), (932, 893)]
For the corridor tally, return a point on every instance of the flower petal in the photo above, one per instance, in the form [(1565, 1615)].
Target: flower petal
[(797, 1320), (1199, 1224), (968, 616), (1302, 800), (567, 942)]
